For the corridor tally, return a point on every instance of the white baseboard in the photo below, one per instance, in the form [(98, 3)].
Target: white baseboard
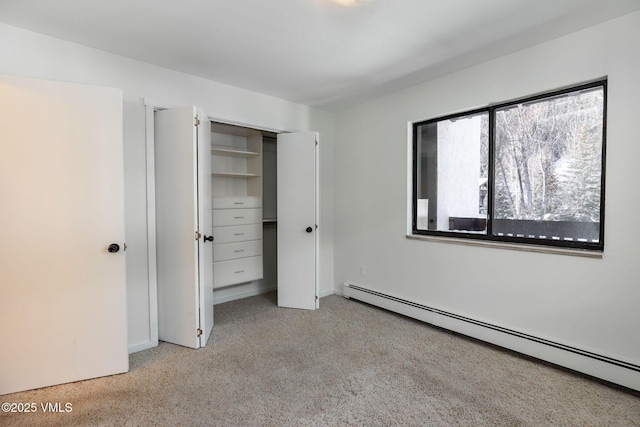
[(339, 290), (142, 346), (327, 293), (242, 294), (590, 362)]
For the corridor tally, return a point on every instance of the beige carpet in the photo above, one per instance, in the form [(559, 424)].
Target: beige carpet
[(345, 364)]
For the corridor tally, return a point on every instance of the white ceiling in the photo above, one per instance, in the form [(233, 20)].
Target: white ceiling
[(313, 52)]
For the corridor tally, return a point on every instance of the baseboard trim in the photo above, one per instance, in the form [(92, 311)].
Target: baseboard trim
[(327, 293), (592, 363), (241, 295), (142, 346)]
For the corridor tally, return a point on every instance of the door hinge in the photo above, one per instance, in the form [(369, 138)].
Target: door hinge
[(197, 121), (316, 297), (316, 142), (198, 235), (198, 332)]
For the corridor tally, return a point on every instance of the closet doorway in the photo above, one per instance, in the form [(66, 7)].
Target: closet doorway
[(265, 213)]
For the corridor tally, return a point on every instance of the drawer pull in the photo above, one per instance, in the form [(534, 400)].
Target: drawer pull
[(238, 203), (238, 217), (238, 234), (239, 250), (241, 271)]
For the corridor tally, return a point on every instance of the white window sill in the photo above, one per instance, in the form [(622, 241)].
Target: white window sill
[(509, 246)]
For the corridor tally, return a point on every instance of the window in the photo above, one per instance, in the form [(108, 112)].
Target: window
[(527, 171)]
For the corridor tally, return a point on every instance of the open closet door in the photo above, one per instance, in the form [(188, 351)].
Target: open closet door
[(183, 220), (205, 248), (297, 220), (63, 307)]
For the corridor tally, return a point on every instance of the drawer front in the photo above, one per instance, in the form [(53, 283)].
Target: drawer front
[(227, 273), (237, 233), (236, 202), (229, 251), (225, 217)]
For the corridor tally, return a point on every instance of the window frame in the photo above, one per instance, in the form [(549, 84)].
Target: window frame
[(491, 111)]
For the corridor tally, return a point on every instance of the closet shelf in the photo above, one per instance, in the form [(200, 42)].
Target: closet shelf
[(235, 174), (231, 152)]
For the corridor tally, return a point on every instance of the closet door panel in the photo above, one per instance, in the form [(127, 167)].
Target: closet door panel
[(205, 226), (176, 155), (297, 220)]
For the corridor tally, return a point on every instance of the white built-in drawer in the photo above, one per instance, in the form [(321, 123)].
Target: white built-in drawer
[(224, 217), (229, 251), (236, 202), (237, 233), (227, 273)]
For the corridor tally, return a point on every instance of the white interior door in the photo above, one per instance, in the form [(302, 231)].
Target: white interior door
[(297, 219), (62, 293), (181, 264), (206, 227)]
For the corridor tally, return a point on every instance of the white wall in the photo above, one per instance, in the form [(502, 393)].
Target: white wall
[(587, 303), (458, 171), (34, 55)]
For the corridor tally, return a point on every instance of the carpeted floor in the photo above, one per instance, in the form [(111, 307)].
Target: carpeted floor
[(347, 364)]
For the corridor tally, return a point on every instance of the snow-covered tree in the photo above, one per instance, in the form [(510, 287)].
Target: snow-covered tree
[(548, 158)]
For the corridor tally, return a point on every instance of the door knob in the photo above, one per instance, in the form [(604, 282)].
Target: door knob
[(113, 248), (208, 238), (309, 229)]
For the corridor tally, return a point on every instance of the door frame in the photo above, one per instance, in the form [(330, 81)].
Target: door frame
[(151, 230)]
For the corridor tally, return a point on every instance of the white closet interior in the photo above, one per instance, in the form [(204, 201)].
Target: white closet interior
[(244, 197)]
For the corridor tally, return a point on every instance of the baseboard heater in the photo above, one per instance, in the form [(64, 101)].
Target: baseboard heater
[(588, 362)]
